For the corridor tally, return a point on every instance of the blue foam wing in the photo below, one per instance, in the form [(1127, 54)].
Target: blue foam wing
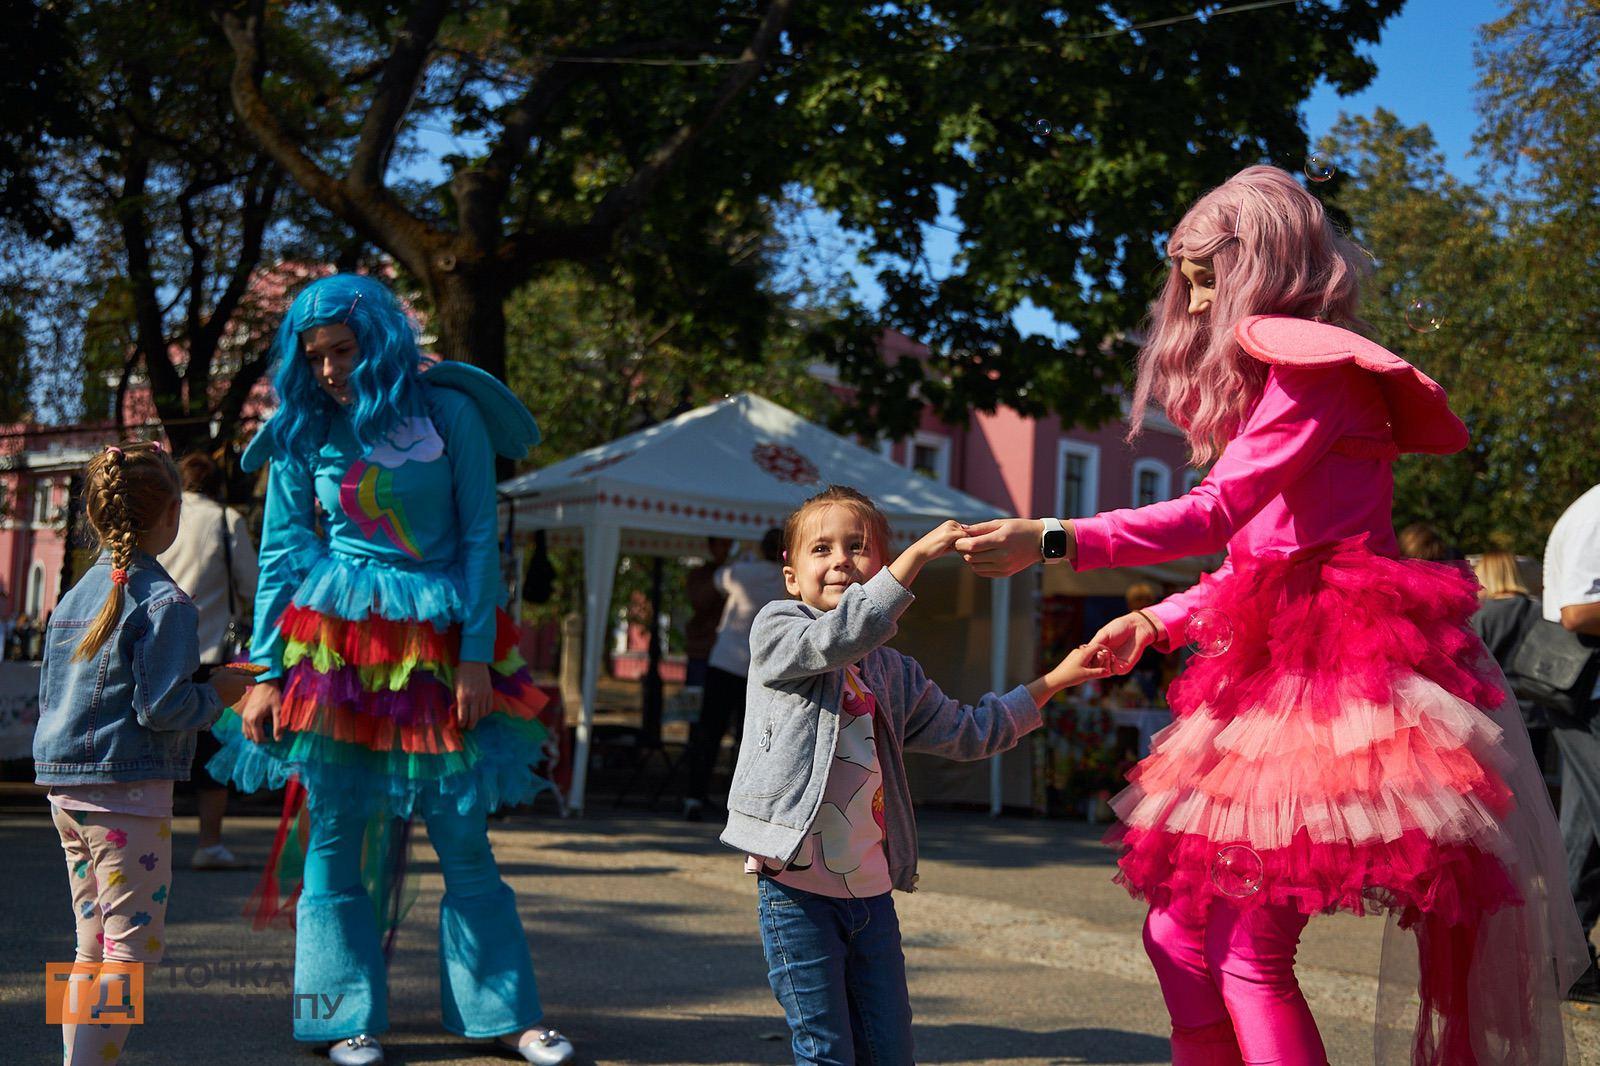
[(512, 429), (258, 451)]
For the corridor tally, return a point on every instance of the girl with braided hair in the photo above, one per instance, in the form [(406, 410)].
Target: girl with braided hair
[(118, 712)]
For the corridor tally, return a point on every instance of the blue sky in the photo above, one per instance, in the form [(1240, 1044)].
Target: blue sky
[(1426, 75)]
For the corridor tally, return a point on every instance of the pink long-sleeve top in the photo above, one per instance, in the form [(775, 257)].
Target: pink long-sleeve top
[(1310, 466)]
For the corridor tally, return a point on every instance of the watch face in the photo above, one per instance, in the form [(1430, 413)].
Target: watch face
[(1055, 543)]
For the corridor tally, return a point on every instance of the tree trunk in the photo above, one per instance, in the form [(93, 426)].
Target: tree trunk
[(469, 315)]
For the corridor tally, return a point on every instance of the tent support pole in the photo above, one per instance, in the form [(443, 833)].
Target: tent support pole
[(999, 650), (600, 545)]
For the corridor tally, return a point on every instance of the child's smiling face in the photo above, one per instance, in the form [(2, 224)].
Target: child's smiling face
[(833, 552)]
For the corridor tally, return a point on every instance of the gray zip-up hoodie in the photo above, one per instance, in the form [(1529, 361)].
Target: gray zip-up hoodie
[(798, 657)]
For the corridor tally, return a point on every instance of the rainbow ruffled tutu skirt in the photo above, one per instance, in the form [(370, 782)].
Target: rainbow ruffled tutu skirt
[(368, 716)]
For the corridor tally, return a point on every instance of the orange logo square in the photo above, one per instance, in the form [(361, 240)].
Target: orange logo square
[(94, 993)]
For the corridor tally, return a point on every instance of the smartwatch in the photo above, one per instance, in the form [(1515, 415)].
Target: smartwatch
[(1053, 543)]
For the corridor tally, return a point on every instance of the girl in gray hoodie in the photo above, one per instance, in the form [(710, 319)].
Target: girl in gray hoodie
[(819, 802)]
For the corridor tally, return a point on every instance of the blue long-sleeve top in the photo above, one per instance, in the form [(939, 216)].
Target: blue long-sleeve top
[(405, 530)]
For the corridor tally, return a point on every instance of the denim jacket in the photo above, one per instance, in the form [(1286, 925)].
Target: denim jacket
[(129, 713)]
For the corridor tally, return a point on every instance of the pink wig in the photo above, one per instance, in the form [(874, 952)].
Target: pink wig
[(1272, 251)]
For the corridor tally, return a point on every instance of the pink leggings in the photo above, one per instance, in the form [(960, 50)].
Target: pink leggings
[(1230, 987)]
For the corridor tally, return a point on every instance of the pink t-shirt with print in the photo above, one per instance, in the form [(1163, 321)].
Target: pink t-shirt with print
[(843, 854)]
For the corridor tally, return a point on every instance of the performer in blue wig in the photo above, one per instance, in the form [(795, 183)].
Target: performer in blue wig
[(392, 687)]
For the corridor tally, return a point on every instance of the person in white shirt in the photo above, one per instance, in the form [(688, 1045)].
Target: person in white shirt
[(208, 537), (1572, 598), (749, 585)]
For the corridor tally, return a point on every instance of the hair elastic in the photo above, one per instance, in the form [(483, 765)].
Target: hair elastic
[(1155, 630), (119, 576), (112, 449)]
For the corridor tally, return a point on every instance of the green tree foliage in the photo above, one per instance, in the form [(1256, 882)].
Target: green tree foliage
[(1059, 138), (173, 212), (16, 368), (36, 53), (593, 366), (179, 208), (1510, 267)]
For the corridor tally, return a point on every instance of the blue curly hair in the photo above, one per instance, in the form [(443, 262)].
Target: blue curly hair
[(384, 380)]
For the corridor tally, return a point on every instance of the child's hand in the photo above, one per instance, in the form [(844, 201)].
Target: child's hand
[(939, 540), (231, 685), (936, 542), (1086, 662)]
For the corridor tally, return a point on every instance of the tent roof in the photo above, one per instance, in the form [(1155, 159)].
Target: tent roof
[(734, 469)]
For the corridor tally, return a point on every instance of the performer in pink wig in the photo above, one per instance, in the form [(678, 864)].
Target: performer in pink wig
[(1343, 741)]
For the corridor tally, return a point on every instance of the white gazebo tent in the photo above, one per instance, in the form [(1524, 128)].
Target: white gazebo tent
[(731, 469)]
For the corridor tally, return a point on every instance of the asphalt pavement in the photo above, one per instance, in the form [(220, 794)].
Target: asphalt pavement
[(643, 928)]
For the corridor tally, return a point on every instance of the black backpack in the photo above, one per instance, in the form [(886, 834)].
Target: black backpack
[(1555, 667)]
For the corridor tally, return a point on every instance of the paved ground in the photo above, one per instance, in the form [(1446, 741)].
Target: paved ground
[(1020, 950)]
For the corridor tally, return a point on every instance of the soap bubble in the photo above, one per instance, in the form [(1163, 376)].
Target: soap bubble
[(1319, 168), (1423, 315), (1237, 871), (1209, 633), (1041, 127)]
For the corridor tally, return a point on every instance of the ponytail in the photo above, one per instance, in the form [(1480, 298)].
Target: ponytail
[(126, 490)]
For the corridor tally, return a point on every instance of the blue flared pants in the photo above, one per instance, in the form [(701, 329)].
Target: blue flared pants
[(486, 982)]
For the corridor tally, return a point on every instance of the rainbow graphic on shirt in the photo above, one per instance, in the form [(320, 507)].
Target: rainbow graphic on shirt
[(367, 495)]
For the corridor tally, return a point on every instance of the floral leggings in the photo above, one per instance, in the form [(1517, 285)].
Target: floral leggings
[(119, 867)]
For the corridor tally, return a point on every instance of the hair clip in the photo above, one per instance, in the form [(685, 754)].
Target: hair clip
[(119, 576), (352, 310)]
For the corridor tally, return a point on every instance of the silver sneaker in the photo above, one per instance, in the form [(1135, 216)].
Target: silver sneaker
[(546, 1047), (362, 1050)]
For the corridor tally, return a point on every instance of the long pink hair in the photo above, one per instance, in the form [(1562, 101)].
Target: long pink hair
[(1272, 251)]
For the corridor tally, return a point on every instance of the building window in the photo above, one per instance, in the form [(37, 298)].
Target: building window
[(36, 591), (929, 455), (1192, 479), (1152, 482), (43, 513), (1077, 479)]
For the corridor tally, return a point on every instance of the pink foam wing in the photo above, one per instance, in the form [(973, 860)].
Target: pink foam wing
[(1419, 410)]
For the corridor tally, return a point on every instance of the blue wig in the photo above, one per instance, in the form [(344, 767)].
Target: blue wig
[(383, 382)]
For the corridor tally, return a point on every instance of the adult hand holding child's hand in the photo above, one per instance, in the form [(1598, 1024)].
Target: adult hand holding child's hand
[(1127, 636), (1005, 546), (259, 715)]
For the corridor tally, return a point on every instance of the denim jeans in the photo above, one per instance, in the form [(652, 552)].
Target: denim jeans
[(838, 971)]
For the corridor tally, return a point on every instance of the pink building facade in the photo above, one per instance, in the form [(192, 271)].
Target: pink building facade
[(37, 464), (1034, 468)]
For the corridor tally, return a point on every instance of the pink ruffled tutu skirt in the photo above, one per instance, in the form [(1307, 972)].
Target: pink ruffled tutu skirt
[(1339, 738), (1355, 748)]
